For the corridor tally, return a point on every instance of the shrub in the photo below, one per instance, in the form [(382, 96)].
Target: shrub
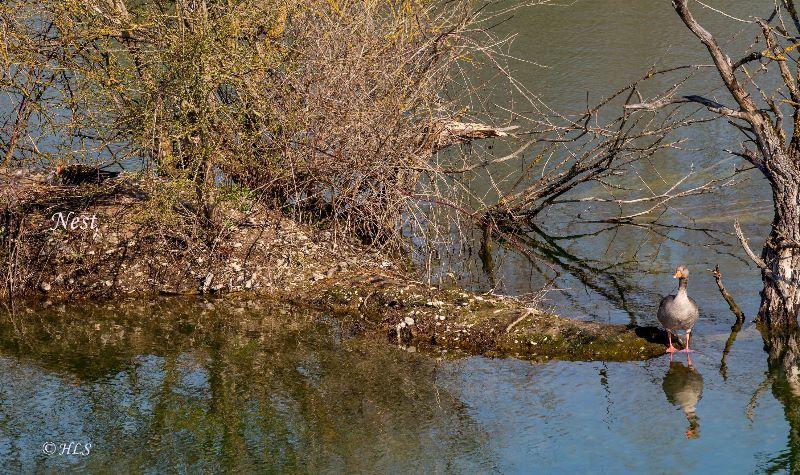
[(322, 107)]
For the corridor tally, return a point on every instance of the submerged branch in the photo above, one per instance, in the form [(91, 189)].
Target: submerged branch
[(737, 326), (727, 295)]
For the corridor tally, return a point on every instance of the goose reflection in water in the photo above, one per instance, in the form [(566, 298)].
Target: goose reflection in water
[(683, 386)]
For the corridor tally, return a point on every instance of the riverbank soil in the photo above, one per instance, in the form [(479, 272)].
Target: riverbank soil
[(132, 239)]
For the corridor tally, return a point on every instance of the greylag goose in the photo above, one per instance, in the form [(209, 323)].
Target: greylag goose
[(679, 311), (683, 387)]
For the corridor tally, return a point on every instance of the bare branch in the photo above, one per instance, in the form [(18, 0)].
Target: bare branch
[(786, 75), (754, 56), (712, 106), (737, 311), (752, 255), (721, 60)]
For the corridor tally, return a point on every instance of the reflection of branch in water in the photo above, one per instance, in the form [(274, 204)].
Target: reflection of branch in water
[(487, 256), (600, 279), (723, 365), (753, 403)]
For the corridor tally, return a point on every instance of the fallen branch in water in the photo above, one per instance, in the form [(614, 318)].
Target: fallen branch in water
[(445, 133), (727, 295), (737, 326)]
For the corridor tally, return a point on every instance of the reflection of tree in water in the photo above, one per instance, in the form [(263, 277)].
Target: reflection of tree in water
[(784, 363), (683, 386), (166, 387)]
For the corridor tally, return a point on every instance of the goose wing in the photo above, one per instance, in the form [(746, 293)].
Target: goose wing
[(663, 312)]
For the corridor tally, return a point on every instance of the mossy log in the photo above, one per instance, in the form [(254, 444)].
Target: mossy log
[(457, 322)]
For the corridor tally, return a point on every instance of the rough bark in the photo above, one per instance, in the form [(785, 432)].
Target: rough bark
[(780, 299)]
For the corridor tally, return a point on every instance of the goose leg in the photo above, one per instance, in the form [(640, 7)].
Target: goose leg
[(671, 349), (688, 337)]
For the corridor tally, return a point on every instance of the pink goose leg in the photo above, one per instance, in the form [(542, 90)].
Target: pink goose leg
[(671, 348), (688, 337)]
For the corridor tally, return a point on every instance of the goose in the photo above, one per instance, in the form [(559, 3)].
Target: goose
[(679, 311)]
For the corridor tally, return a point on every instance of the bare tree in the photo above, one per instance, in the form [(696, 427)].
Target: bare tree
[(769, 143)]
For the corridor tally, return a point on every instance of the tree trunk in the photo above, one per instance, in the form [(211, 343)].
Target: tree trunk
[(780, 299)]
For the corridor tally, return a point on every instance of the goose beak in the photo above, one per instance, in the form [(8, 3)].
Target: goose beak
[(677, 275)]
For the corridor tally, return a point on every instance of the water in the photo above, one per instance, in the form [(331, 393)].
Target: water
[(231, 386), (212, 386), (172, 389)]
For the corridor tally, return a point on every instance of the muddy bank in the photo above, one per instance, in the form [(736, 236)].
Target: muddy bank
[(119, 241), (451, 321)]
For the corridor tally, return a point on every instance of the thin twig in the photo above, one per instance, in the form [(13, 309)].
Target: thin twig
[(528, 312)]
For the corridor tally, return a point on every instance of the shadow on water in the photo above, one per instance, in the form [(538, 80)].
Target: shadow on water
[(223, 386)]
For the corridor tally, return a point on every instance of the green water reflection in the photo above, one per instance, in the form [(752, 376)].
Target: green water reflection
[(189, 387)]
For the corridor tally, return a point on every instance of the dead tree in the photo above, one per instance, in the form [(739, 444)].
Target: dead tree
[(758, 113)]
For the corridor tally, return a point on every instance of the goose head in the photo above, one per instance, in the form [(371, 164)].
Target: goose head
[(681, 272)]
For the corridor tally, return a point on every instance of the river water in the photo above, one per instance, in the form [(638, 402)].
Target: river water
[(169, 388)]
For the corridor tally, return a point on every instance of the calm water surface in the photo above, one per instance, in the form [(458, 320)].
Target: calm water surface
[(182, 388)]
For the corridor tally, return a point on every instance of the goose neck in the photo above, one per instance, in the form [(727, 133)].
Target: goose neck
[(682, 283)]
